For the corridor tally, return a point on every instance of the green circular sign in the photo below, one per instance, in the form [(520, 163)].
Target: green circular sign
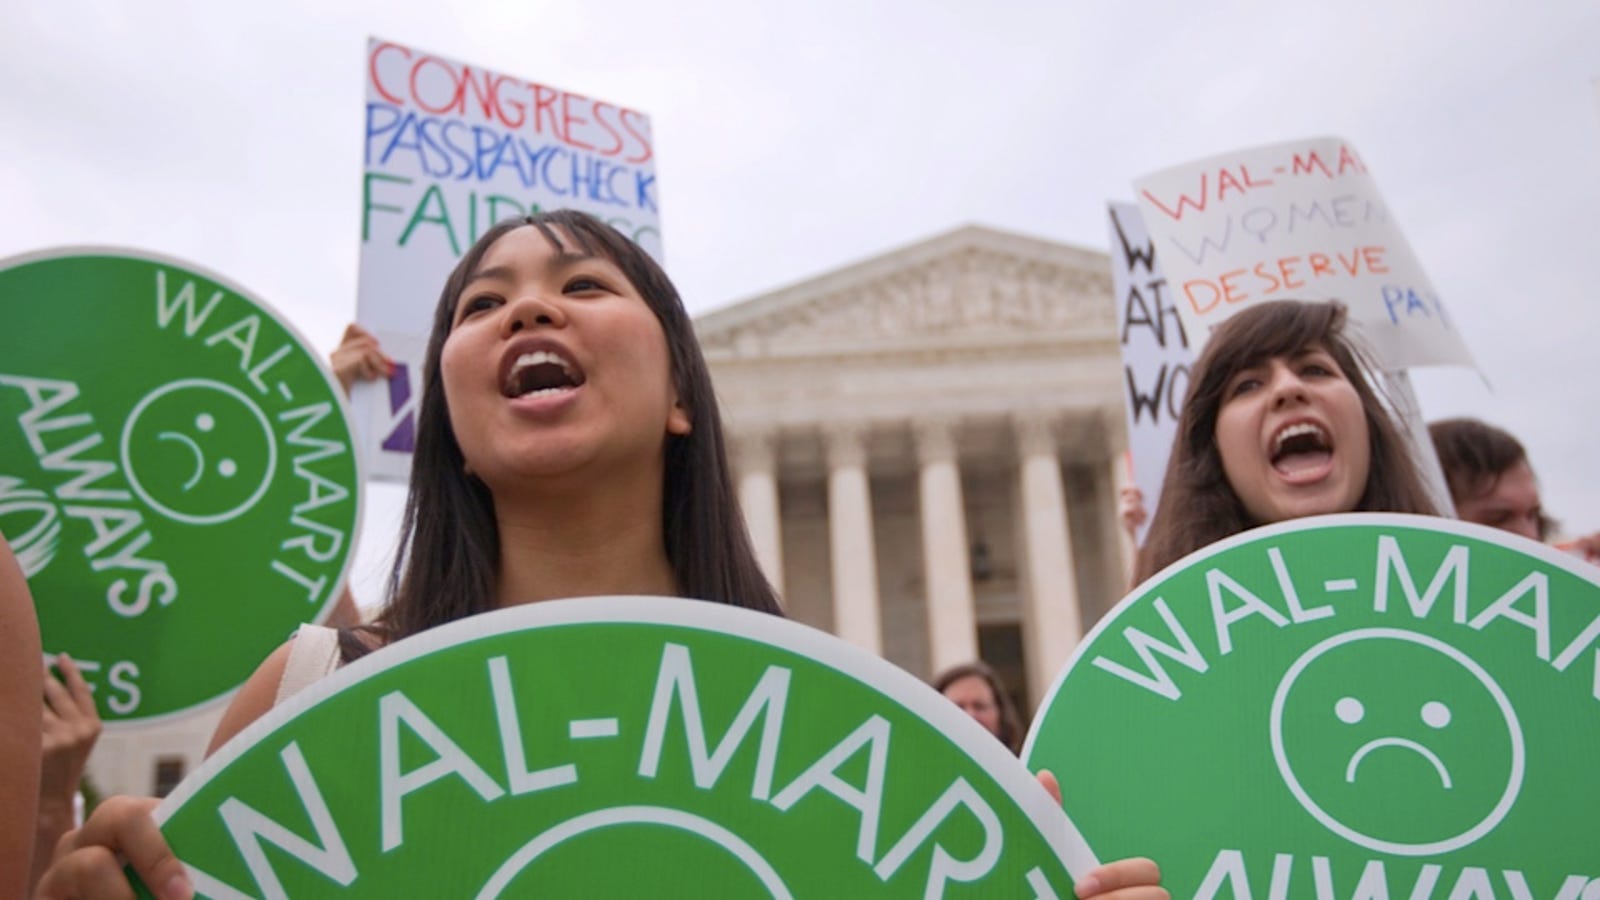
[(1357, 705), (177, 473), (620, 747)]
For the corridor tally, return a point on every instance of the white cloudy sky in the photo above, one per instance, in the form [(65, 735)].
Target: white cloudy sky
[(794, 137)]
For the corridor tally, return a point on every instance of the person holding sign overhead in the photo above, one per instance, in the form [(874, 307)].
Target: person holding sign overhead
[(1280, 422), (359, 358), (568, 445)]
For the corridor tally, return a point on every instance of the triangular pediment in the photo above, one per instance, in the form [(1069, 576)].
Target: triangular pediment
[(973, 285)]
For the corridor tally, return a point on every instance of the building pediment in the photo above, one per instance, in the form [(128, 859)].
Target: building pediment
[(975, 287)]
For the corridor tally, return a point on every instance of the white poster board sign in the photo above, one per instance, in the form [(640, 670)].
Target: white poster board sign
[(1155, 353), (451, 149), (1300, 220)]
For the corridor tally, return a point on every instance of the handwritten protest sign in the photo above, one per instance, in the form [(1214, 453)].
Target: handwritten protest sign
[(1300, 220), (177, 473), (620, 747), (1155, 353), (451, 149), (1363, 705)]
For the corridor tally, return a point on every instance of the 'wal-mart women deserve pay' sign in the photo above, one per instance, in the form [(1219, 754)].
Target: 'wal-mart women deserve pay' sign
[(1300, 220)]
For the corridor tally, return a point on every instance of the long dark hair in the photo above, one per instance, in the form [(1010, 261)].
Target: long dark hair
[(450, 556), (1198, 506)]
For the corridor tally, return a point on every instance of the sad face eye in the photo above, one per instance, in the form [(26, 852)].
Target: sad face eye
[(1435, 714), (1349, 710)]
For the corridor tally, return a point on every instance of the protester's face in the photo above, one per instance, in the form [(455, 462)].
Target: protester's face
[(1510, 504), (1293, 437), (972, 694), (554, 365)]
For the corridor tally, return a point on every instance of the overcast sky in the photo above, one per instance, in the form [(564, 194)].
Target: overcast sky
[(792, 138)]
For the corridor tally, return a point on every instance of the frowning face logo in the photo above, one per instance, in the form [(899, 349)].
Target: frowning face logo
[(198, 451), (1368, 734)]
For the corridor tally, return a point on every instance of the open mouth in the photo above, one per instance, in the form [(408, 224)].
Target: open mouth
[(540, 372), (1301, 448)]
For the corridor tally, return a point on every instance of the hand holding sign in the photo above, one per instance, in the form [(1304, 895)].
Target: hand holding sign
[(89, 861), (359, 358)]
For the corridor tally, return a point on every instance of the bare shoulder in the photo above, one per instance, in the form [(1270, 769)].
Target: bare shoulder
[(260, 691), (253, 701), (17, 621), (21, 662), (21, 678)]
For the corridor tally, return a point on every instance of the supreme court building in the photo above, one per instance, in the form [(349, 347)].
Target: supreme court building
[(928, 445)]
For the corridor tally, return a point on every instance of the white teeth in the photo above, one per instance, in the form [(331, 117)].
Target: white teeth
[(514, 382), (539, 357), (1295, 431)]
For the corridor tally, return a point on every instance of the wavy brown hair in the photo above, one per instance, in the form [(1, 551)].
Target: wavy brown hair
[(449, 536), (1474, 454), (1198, 506)]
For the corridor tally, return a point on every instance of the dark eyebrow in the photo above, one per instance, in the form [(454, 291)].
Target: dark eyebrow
[(572, 257), (491, 272)]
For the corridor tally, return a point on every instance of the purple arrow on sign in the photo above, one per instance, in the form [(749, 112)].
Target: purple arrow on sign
[(403, 439)]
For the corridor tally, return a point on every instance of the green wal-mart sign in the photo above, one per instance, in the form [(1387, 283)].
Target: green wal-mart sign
[(620, 747), (1359, 706), (176, 473)]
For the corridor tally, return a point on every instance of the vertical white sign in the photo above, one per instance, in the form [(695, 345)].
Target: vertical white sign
[(451, 149), (1301, 220), (1155, 353)]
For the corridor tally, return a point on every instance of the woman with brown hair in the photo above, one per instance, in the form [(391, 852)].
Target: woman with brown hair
[(1281, 421), (977, 690)]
